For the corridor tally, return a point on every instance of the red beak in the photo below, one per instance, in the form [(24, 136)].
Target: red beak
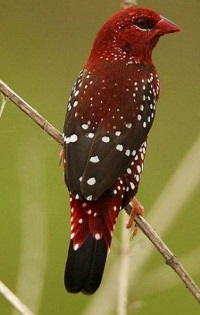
[(165, 26)]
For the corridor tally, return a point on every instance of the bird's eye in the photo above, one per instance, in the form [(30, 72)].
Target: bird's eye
[(144, 23)]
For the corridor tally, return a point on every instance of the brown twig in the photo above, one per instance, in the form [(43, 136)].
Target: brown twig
[(169, 257), (31, 112)]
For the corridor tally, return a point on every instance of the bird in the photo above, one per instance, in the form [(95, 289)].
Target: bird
[(110, 111)]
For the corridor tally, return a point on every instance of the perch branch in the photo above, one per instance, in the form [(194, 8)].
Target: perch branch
[(169, 257), (31, 112)]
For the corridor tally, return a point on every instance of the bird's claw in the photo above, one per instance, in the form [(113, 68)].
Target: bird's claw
[(137, 209)]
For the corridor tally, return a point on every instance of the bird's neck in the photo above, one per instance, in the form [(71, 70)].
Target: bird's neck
[(111, 52)]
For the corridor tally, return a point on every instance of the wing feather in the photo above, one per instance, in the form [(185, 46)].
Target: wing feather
[(102, 134)]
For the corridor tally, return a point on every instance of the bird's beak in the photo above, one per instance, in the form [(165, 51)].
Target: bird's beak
[(165, 26)]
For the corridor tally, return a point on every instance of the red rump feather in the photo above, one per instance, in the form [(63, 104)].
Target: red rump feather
[(97, 218), (110, 112)]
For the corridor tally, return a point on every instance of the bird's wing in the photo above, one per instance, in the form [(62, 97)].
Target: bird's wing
[(99, 151)]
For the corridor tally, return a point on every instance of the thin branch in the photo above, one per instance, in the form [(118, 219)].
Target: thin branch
[(169, 257), (14, 300), (31, 112), (159, 279)]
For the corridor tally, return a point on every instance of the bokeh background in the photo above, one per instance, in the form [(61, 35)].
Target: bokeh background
[(43, 45)]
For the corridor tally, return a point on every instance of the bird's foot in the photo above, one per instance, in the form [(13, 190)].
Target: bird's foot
[(137, 209)]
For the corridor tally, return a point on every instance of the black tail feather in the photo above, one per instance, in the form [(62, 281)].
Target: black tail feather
[(85, 266)]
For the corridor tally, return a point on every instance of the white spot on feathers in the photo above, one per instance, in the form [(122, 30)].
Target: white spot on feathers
[(138, 168), (85, 126), (106, 139), (76, 246), (73, 138), (94, 159), (90, 135), (128, 152), (129, 171), (119, 147), (76, 93), (132, 186), (118, 133), (97, 236), (137, 177), (128, 125), (72, 236), (75, 103), (91, 181)]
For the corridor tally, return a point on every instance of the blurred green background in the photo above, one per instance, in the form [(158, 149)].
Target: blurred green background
[(43, 45)]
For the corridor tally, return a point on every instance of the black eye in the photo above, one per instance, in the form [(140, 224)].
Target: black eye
[(144, 23)]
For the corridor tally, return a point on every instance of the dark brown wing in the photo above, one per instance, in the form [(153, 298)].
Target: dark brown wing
[(101, 142), (77, 142)]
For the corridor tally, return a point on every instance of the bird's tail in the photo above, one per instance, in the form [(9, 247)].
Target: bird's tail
[(85, 266), (91, 234)]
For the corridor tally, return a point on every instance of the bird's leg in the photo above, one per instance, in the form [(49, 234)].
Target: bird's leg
[(137, 209)]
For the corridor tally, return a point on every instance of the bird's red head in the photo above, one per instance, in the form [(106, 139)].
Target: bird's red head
[(131, 33)]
